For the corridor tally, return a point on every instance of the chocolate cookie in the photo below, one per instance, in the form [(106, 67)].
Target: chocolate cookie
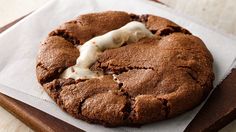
[(142, 81)]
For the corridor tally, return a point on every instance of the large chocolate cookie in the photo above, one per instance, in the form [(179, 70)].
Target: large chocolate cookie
[(158, 77)]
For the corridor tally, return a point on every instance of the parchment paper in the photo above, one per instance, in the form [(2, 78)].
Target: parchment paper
[(19, 47)]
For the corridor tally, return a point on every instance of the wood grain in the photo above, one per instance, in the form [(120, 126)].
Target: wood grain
[(34, 118)]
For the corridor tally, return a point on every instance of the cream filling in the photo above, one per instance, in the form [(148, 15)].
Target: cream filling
[(89, 51)]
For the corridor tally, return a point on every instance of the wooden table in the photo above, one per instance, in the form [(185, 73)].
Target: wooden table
[(204, 11)]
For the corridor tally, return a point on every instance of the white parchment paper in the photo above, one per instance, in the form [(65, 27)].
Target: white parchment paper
[(19, 46)]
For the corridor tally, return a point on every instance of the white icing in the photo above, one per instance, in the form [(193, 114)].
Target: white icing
[(89, 51)]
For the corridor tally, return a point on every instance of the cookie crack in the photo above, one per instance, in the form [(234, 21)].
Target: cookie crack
[(129, 68), (117, 70), (81, 104), (173, 29), (126, 110), (162, 32), (128, 106), (41, 66), (192, 73), (47, 78), (166, 106), (89, 96), (58, 86), (140, 18), (66, 35), (182, 49), (54, 74)]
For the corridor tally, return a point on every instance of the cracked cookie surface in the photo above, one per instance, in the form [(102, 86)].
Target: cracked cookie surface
[(156, 78)]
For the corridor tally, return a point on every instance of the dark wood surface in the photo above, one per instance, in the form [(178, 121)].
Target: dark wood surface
[(220, 108), (34, 118)]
